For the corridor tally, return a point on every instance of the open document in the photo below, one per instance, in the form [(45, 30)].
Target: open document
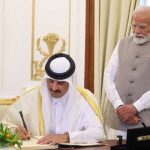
[(32, 145)]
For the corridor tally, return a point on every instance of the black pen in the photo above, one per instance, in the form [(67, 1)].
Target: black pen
[(142, 122), (144, 125), (23, 121)]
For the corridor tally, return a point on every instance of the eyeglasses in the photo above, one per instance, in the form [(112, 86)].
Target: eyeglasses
[(140, 26)]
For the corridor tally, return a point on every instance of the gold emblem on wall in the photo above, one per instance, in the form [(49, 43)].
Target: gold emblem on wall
[(53, 44)]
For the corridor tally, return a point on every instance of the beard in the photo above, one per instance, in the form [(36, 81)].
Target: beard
[(140, 39)]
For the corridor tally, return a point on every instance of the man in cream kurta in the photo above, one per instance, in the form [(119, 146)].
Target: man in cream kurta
[(57, 110), (127, 76)]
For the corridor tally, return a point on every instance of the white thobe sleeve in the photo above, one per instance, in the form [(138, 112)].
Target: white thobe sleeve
[(92, 130), (109, 79)]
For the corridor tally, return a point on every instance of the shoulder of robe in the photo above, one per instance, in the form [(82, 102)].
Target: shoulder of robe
[(29, 90), (91, 100), (87, 94)]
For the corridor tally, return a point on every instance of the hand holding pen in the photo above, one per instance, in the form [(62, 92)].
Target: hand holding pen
[(23, 131)]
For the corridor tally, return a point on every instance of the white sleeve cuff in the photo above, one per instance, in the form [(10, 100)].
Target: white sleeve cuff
[(74, 136), (117, 103), (138, 105)]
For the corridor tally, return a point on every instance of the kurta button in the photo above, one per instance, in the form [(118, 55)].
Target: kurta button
[(134, 69), (129, 94), (137, 56), (131, 81)]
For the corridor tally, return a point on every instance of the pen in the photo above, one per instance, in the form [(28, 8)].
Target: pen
[(23, 121), (143, 124)]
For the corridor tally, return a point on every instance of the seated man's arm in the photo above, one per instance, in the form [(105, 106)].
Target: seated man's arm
[(90, 131), (91, 128), (53, 139), (10, 117), (13, 120)]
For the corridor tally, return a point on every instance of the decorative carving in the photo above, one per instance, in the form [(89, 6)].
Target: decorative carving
[(50, 40)]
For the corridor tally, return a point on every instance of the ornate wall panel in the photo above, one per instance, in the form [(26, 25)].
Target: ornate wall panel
[(49, 34)]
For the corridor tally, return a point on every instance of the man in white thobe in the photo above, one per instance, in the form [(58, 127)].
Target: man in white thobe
[(57, 110)]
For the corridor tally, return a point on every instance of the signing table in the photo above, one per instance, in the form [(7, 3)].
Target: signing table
[(105, 146)]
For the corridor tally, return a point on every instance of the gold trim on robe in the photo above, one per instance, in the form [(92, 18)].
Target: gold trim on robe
[(91, 102)]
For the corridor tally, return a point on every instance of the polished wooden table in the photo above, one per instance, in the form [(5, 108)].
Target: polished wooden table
[(106, 146)]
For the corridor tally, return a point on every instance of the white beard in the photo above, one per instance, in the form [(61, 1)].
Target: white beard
[(141, 40)]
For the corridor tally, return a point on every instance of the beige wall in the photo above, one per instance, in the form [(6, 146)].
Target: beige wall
[(16, 36)]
